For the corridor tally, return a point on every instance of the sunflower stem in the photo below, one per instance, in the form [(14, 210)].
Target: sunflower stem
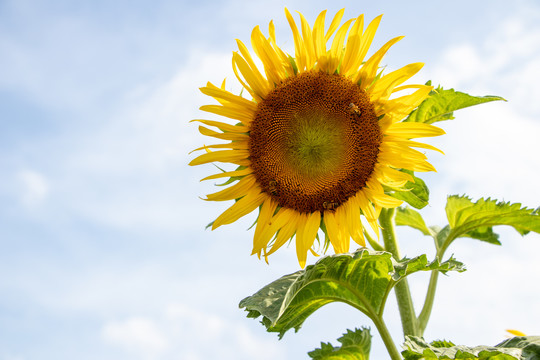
[(387, 338), (409, 321), (423, 318)]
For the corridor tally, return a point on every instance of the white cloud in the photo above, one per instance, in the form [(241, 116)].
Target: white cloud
[(137, 335), (34, 187), (4, 356), (506, 62), (132, 171), (183, 332), (491, 150)]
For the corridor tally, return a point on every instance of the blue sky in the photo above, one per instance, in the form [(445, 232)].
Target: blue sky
[(103, 248)]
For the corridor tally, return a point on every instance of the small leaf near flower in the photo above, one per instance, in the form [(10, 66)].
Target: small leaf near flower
[(414, 193), (442, 103)]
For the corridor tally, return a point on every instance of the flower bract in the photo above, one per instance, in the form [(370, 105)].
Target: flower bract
[(320, 135)]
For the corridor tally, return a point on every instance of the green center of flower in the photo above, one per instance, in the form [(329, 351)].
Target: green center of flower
[(315, 146), (314, 141)]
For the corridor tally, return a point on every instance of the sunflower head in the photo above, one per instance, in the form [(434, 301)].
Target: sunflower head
[(320, 136)]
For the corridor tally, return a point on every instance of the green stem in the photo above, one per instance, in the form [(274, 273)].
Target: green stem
[(387, 338), (423, 318), (403, 293)]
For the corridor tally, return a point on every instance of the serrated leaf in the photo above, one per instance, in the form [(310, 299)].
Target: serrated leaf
[(420, 263), (406, 216), (442, 103), (476, 219), (529, 345), (442, 344), (362, 279), (414, 193), (355, 345), (523, 348)]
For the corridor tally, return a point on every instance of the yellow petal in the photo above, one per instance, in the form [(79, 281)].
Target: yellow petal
[(383, 200), (354, 224), (254, 72), (235, 173), (307, 231), (277, 222), (240, 208), (383, 88), (367, 39), (341, 218), (215, 92), (299, 47), (228, 156), (224, 126), (240, 78), (367, 73), (334, 24), (393, 177), (240, 145), (411, 143), (301, 252), (252, 76), (233, 113), (410, 130), (308, 42), (224, 136), (265, 216), (319, 42), (363, 47), (235, 191), (336, 50), (272, 63), (398, 108), (333, 232), (353, 45), (286, 232), (272, 31), (515, 332)]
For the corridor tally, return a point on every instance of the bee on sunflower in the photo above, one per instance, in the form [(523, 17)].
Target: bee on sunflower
[(320, 136)]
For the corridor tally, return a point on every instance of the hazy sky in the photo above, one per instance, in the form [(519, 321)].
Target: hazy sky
[(103, 249)]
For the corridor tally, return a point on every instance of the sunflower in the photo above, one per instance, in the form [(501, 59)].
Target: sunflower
[(319, 137)]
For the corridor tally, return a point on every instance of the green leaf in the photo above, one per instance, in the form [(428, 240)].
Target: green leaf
[(362, 279), (355, 345), (476, 219), (406, 216), (414, 193), (420, 263), (522, 348), (442, 103), (441, 236), (530, 346)]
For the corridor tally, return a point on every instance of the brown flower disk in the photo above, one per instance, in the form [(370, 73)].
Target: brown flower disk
[(314, 141)]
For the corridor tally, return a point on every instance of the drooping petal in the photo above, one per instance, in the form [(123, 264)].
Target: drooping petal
[(236, 173), (245, 185), (414, 130), (307, 230), (239, 157), (240, 208)]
